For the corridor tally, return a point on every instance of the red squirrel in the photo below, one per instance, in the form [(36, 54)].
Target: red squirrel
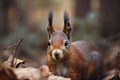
[(76, 60)]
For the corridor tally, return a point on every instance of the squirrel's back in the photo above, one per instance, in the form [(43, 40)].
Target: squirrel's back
[(93, 59)]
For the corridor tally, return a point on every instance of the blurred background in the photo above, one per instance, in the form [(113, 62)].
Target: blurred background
[(95, 21)]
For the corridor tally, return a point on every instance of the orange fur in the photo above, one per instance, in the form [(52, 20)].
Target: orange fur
[(90, 70), (76, 65), (76, 60)]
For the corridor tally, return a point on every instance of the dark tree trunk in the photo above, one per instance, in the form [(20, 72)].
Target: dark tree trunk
[(6, 4), (111, 17), (82, 8)]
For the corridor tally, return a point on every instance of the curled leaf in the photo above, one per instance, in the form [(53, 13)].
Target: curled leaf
[(17, 62)]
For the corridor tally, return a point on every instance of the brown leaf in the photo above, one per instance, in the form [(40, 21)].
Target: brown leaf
[(17, 62), (7, 74), (112, 75), (53, 77), (109, 77), (28, 73), (47, 75), (44, 71)]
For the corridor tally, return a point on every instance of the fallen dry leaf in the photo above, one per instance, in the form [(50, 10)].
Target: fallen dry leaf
[(7, 74), (112, 75), (17, 62), (44, 71), (47, 75), (53, 77), (28, 73)]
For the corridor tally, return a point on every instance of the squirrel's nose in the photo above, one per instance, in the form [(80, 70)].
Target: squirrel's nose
[(57, 55)]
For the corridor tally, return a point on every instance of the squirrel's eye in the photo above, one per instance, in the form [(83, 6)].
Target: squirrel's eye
[(49, 43), (66, 43)]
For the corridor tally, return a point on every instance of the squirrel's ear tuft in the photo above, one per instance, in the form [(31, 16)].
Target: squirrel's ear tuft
[(67, 26), (50, 20)]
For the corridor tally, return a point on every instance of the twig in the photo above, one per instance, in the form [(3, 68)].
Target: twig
[(109, 40), (6, 48), (118, 62), (15, 50), (117, 77)]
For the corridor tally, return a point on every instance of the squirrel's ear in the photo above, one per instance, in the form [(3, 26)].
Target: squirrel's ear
[(67, 26), (50, 28)]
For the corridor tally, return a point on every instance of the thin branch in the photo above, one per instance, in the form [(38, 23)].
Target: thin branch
[(118, 61), (9, 47), (117, 77), (15, 50)]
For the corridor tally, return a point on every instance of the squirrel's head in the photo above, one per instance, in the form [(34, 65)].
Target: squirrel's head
[(59, 41)]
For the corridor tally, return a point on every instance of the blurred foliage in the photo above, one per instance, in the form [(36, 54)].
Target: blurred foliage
[(88, 28), (28, 19)]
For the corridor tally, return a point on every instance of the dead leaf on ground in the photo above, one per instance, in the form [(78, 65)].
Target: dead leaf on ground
[(17, 62), (53, 77), (7, 74), (27, 73)]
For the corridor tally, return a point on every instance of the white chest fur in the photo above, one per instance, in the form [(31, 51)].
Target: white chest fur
[(61, 70)]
